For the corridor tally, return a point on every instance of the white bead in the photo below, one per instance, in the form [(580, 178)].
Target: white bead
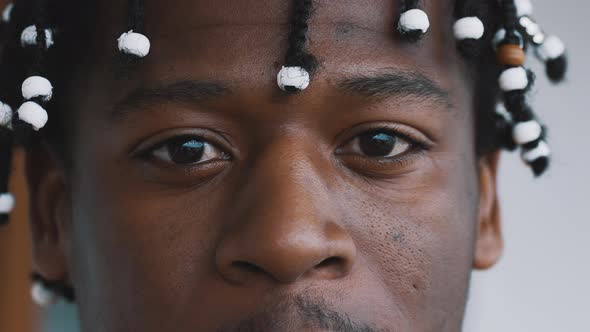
[(134, 43), (552, 48), (42, 296), (526, 132), (468, 28), (29, 37), (513, 79), (539, 38), (5, 115), (37, 86), (33, 114), (503, 112), (414, 19), (531, 27), (523, 7), (7, 13), (542, 150), (6, 203), (294, 77)]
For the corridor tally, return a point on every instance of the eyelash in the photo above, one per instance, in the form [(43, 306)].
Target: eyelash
[(398, 132), (147, 154)]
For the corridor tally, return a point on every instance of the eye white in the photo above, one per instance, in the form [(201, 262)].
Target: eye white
[(401, 146), (210, 152)]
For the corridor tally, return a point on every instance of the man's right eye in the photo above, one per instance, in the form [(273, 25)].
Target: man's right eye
[(186, 150)]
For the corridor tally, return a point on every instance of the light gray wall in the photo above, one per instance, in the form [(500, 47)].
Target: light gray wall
[(542, 283)]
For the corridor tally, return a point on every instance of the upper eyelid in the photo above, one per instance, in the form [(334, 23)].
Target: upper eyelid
[(213, 137), (420, 140)]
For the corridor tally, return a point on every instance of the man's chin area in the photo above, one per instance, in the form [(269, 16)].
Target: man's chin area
[(303, 314)]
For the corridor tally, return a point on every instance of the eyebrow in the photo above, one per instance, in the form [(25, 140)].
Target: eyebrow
[(396, 84), (383, 85), (178, 92)]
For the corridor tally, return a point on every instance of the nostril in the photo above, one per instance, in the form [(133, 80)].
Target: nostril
[(330, 261), (247, 267)]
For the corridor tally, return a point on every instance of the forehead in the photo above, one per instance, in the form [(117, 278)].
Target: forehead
[(227, 34)]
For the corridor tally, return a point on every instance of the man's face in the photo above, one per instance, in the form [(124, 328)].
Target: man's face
[(202, 198)]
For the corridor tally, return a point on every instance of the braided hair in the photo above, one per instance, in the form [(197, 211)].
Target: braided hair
[(493, 36)]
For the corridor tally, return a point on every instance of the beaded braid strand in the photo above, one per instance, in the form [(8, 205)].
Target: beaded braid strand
[(468, 29), (294, 76), (549, 49), (6, 143), (134, 43), (37, 90), (514, 82), (413, 22)]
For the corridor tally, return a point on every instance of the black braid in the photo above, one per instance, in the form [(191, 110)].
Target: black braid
[(297, 54), (40, 17), (136, 21)]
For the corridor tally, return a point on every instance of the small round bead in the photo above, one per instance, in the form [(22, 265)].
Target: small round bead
[(414, 19), (539, 39), (293, 79), (134, 43), (530, 26), (510, 55), (7, 13), (526, 132), (42, 296), (33, 114), (6, 203), (523, 7), (552, 48), (500, 36), (37, 86), (468, 28), (5, 115), (29, 37), (542, 150), (513, 79)]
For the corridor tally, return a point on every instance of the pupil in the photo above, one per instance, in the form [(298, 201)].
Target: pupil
[(377, 145), (186, 151)]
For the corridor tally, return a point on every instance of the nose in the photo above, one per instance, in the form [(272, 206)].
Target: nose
[(284, 226)]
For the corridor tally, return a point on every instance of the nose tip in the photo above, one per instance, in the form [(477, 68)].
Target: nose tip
[(286, 260)]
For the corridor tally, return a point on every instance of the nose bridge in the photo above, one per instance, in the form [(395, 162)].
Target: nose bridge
[(284, 224)]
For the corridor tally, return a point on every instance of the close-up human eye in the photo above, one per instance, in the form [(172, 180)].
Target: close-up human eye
[(378, 144), (185, 150)]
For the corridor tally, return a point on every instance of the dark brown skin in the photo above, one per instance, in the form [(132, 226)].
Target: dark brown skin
[(288, 221)]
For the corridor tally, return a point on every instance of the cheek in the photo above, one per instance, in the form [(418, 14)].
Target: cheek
[(419, 235), (137, 250)]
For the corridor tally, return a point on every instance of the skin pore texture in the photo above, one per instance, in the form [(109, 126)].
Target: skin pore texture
[(285, 225)]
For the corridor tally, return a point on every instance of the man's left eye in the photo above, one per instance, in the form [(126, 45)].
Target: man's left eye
[(187, 151), (377, 144)]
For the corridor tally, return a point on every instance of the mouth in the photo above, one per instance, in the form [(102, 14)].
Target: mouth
[(302, 314)]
